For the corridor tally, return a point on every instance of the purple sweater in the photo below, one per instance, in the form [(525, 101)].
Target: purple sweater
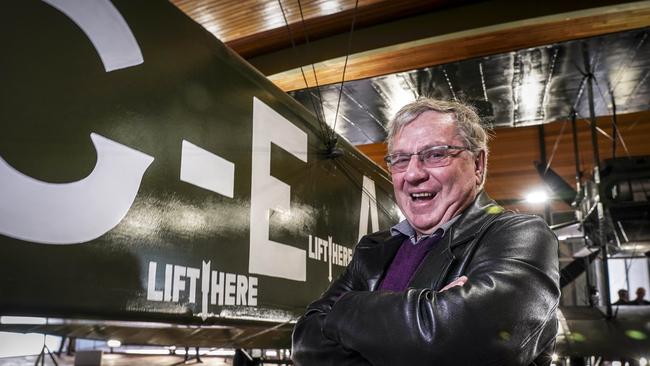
[(406, 262)]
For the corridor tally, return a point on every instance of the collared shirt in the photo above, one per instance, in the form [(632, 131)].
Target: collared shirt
[(404, 228)]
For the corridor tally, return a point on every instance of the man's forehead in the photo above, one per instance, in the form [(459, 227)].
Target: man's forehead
[(423, 135)]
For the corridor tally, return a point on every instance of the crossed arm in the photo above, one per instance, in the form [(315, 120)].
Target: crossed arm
[(501, 313)]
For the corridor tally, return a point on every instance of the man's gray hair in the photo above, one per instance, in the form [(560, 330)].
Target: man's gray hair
[(468, 124)]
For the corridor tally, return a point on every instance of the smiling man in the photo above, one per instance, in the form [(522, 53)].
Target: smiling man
[(461, 281)]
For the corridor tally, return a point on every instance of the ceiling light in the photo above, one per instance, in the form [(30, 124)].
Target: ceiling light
[(537, 197), (554, 357), (643, 361), (113, 343), (22, 320), (271, 353)]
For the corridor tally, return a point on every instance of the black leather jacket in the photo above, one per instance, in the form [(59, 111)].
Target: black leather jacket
[(503, 315)]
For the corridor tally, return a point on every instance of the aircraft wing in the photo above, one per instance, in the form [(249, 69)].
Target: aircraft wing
[(149, 174)]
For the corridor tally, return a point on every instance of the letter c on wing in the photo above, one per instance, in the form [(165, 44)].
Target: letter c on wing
[(81, 211), (70, 213)]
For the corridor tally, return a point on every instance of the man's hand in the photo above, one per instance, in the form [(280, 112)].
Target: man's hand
[(457, 282)]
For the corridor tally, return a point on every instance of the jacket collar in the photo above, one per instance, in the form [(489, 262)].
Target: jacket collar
[(465, 229), (472, 218), (405, 228)]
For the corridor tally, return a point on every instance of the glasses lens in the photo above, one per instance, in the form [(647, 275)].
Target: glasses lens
[(434, 157), (398, 162)]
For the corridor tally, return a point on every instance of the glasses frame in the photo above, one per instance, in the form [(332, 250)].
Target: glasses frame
[(420, 153)]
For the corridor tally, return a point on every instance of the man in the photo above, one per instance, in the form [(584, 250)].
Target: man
[(640, 295), (623, 298), (459, 282)]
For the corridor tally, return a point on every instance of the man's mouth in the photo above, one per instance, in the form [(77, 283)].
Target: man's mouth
[(422, 196)]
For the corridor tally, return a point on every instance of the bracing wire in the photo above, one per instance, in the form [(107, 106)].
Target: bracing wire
[(348, 174), (323, 129), (313, 69), (345, 66), (451, 88), (581, 89), (604, 133), (480, 69), (555, 145), (619, 75)]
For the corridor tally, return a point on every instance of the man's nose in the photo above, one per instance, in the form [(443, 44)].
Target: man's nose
[(415, 171)]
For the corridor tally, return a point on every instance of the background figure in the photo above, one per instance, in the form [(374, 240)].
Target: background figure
[(623, 298), (640, 294)]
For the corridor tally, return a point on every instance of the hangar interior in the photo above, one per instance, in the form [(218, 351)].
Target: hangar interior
[(563, 86)]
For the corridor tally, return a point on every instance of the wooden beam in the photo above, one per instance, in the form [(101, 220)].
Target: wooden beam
[(474, 43)]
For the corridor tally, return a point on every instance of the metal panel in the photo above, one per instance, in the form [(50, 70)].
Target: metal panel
[(526, 87)]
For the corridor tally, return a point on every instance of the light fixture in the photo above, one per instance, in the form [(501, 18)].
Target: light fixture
[(643, 361), (538, 196), (271, 353), (554, 357), (113, 343), (22, 320)]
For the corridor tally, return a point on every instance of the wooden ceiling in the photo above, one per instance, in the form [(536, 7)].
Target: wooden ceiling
[(254, 27), (393, 36)]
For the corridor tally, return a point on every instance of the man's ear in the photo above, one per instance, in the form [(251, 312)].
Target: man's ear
[(479, 166)]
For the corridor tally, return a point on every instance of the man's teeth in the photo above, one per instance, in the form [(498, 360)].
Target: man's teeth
[(422, 195)]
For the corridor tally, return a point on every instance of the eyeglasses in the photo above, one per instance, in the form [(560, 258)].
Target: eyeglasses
[(432, 157)]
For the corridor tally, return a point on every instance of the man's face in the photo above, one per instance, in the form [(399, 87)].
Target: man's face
[(640, 293), (623, 294), (429, 197)]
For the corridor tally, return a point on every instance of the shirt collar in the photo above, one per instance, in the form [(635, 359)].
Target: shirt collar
[(404, 228)]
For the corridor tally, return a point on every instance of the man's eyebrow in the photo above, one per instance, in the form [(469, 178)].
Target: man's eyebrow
[(425, 147)]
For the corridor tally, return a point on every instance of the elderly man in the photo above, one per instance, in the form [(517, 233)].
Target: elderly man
[(460, 282)]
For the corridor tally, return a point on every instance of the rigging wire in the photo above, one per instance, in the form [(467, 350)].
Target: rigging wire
[(581, 89), (619, 76), (323, 129), (602, 95), (555, 145), (612, 111), (451, 89), (313, 69), (604, 133), (480, 69), (348, 174), (636, 88), (380, 188), (345, 66), (365, 109), (350, 122), (600, 130)]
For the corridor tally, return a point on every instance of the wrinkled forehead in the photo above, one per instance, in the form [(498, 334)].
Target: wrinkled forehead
[(429, 129)]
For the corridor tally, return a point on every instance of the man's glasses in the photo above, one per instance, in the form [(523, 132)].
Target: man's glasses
[(432, 157)]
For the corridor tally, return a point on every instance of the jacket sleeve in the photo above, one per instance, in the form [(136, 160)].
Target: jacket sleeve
[(504, 314), (309, 346)]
